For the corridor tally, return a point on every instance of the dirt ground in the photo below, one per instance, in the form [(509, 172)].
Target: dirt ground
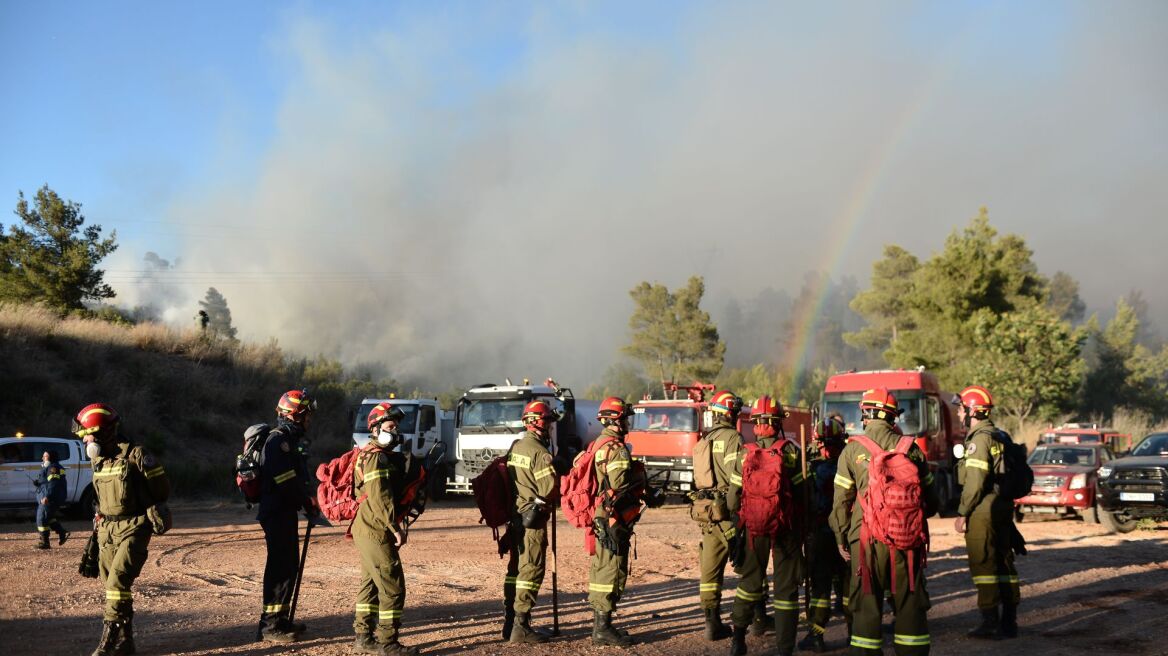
[(1085, 591)]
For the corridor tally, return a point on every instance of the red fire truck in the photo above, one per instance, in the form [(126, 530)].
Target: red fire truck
[(926, 414), (663, 432)]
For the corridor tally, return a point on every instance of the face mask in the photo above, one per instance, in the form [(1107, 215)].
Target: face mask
[(386, 438), (93, 450)]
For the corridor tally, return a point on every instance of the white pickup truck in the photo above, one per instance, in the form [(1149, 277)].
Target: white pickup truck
[(20, 465)]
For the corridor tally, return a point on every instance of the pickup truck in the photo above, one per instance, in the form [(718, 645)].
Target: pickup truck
[(1065, 480), (1136, 487), (20, 464)]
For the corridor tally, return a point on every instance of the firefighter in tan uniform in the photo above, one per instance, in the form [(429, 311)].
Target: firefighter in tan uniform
[(987, 519), (535, 485), (884, 567), (132, 489), (717, 536), (613, 524), (381, 476), (823, 556), (783, 549)]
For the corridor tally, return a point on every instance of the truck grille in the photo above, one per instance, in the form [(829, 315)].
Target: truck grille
[(475, 462), (1049, 482), (1151, 474)]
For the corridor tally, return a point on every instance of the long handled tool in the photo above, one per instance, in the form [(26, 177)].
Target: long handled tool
[(555, 577), (300, 572), (806, 505)]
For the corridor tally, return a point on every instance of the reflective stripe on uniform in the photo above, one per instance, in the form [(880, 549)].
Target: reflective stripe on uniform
[(616, 465), (290, 474), (911, 640), (391, 614), (977, 464), (867, 643), (375, 474), (844, 482), (747, 596), (155, 472), (785, 604), (991, 579), (599, 587), (366, 608), (54, 477), (797, 478), (708, 587), (929, 479), (118, 595), (819, 602), (113, 470), (509, 582), (526, 585), (735, 479), (43, 529), (730, 532), (544, 473), (519, 461), (274, 608), (729, 458)]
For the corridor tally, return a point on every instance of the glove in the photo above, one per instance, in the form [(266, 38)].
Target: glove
[(311, 507), (603, 539), (160, 518), (89, 558)]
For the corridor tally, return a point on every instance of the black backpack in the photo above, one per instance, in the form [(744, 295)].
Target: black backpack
[(248, 463), (1018, 478)]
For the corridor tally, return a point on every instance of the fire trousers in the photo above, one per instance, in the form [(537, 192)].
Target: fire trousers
[(991, 558), (826, 565), (122, 553), (525, 567), (608, 572), (381, 596), (282, 539), (911, 629), (713, 553), (784, 552)]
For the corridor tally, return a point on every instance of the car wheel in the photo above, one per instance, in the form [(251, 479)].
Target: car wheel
[(1091, 515), (86, 506), (437, 483), (1116, 523)]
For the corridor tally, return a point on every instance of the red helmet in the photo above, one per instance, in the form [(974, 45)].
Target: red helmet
[(767, 410), (614, 407), (726, 402), (95, 417), (830, 428), (295, 405), (879, 403), (977, 398), (383, 412), (538, 414)]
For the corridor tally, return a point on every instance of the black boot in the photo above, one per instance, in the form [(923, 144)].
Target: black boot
[(738, 642), (395, 648), (62, 535), (813, 642), (715, 629), (109, 639), (522, 632), (126, 638), (604, 634), (1008, 627), (365, 643), (988, 628), (762, 623), (44, 543), (508, 622)]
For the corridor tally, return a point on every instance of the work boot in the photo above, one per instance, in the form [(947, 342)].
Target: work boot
[(738, 642), (522, 631), (508, 622), (715, 629), (44, 543), (813, 642), (126, 639), (762, 623), (62, 535), (988, 629), (604, 634), (1008, 627), (279, 632), (109, 639), (395, 648), (366, 644)]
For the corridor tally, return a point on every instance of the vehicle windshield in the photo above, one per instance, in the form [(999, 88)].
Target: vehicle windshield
[(1153, 445), (1062, 455), (505, 413), (651, 418), (406, 425), (847, 406)]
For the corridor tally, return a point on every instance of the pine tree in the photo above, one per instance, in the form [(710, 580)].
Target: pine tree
[(673, 338), (216, 308)]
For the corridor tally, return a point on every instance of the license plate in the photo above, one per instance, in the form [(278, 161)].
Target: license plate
[(1137, 496)]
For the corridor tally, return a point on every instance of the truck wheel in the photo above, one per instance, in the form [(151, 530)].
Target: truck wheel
[(1091, 515), (943, 493), (86, 506), (1116, 523), (437, 483)]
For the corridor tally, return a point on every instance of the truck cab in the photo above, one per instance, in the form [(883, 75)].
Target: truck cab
[(425, 426), (927, 415), (20, 464), (489, 418)]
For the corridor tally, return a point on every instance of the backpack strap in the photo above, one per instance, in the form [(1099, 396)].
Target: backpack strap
[(904, 444), (872, 447)]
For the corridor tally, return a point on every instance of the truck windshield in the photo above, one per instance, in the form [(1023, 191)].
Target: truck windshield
[(488, 413), (847, 406), (1062, 455), (650, 418), (1153, 445), (406, 425)]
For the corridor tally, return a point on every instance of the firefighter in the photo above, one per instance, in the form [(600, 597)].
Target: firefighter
[(284, 492), (131, 488), (613, 523), (783, 549), (824, 561), (386, 478), (986, 518), (535, 484), (51, 491), (725, 447), (910, 599)]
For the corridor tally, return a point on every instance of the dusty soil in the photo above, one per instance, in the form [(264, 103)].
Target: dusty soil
[(1085, 591)]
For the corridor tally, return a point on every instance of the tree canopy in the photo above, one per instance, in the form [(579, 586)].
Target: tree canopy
[(215, 305), (51, 256), (672, 337)]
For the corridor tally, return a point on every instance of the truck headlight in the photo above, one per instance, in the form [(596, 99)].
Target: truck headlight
[(1078, 481), (1104, 471)]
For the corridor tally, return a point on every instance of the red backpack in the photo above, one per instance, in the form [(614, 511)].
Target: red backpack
[(894, 512), (335, 492), (492, 491), (578, 490), (767, 501)]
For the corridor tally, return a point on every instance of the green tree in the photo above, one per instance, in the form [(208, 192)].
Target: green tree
[(672, 337), (1123, 372), (1064, 299), (885, 305), (51, 256), (216, 307), (1030, 361), (620, 379)]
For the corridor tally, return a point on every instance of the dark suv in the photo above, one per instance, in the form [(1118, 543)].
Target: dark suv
[(1136, 487)]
